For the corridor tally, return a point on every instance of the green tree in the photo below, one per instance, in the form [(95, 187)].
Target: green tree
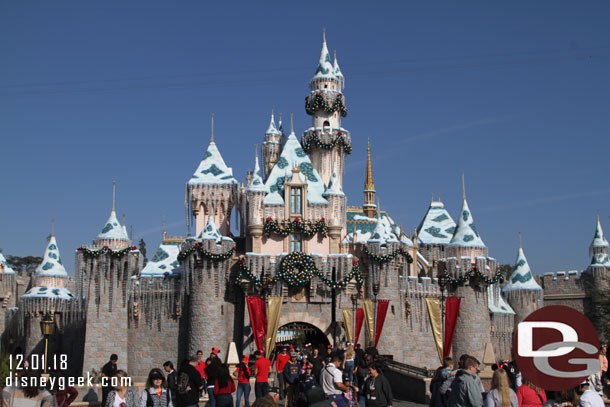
[(506, 270), (23, 264), (142, 247)]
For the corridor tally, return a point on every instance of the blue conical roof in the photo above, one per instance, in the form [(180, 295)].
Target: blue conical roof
[(466, 234), (212, 169), (325, 69), (51, 265), (437, 226), (113, 230), (521, 277)]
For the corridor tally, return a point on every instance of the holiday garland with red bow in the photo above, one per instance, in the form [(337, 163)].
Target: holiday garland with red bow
[(295, 226), (474, 275), (386, 258), (202, 253)]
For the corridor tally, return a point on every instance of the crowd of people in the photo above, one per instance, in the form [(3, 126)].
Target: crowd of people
[(313, 377), (462, 387)]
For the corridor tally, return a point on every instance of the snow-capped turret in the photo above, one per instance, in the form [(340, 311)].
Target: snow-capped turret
[(51, 265), (338, 73), (165, 260), (212, 190), (466, 240), (325, 69), (334, 185), (113, 234), (437, 227), (256, 183), (522, 291), (599, 249), (383, 231), (272, 145)]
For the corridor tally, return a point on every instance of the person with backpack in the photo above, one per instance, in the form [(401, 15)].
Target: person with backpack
[(155, 393), (189, 383), (243, 373)]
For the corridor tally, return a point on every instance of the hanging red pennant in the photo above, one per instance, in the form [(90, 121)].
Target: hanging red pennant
[(382, 310), (452, 310), (258, 319)]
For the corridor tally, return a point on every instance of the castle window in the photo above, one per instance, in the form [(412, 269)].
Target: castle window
[(296, 201), (325, 86), (326, 123), (296, 242)]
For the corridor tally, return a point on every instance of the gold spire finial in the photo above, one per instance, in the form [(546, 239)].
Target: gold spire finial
[(291, 122), (164, 232), (53, 227), (463, 187), (212, 136), (113, 195), (369, 185), (272, 110)]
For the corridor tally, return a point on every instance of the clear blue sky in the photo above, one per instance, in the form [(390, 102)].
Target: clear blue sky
[(516, 94)]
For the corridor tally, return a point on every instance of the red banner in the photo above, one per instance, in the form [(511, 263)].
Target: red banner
[(359, 321), (452, 310), (257, 308), (382, 310)]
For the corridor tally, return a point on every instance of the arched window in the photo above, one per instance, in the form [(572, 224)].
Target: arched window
[(326, 123)]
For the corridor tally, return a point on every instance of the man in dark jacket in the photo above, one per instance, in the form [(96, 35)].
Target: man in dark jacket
[(172, 382), (109, 370), (189, 395), (377, 390)]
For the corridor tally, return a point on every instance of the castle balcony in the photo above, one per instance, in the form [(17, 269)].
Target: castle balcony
[(327, 135)]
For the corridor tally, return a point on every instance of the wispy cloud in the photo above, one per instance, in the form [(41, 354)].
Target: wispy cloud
[(444, 131), (547, 199)]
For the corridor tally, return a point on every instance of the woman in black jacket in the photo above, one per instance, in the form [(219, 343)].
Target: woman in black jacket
[(172, 381)]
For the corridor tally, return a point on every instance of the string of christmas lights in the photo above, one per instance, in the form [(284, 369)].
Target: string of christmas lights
[(105, 250), (474, 274), (340, 139), (201, 252), (386, 258), (317, 102)]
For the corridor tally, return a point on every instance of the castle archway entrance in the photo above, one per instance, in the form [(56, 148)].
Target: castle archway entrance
[(298, 334)]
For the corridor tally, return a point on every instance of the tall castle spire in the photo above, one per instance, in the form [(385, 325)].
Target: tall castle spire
[(271, 145), (369, 208)]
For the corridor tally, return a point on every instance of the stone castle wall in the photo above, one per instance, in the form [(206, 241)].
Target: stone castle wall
[(563, 288)]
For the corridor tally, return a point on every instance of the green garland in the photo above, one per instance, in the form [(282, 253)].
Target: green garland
[(386, 258), (474, 273), (206, 254), (317, 102), (307, 269), (106, 250), (298, 226), (340, 139)]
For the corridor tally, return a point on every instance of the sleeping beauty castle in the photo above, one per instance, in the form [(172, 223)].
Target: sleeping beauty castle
[(298, 265)]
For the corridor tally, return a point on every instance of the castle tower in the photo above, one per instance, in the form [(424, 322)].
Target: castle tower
[(389, 277), (369, 208), (466, 241), (435, 231), (522, 291), (255, 193), (326, 140), (598, 250), (337, 210), (211, 294), (212, 191), (271, 146), (103, 276), (465, 252)]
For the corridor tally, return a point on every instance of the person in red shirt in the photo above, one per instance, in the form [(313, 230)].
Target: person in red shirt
[(529, 395), (224, 386), (280, 362), (243, 373), (261, 371), (201, 365)]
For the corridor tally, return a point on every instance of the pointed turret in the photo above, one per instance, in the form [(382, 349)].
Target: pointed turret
[(271, 146), (437, 227), (325, 69), (369, 208), (51, 265), (521, 277), (112, 233), (337, 72), (466, 234), (598, 250), (256, 183), (334, 185), (212, 190), (383, 232)]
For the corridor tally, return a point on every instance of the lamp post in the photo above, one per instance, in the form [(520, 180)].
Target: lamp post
[(264, 283), (375, 292), (354, 298), (47, 327), (442, 283)]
